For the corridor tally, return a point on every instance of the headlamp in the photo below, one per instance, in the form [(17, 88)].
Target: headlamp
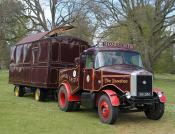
[(128, 95)]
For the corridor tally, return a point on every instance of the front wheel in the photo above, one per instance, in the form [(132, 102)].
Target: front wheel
[(107, 113), (155, 112)]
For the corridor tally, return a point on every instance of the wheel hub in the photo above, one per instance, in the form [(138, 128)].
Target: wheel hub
[(37, 95), (17, 91), (104, 109)]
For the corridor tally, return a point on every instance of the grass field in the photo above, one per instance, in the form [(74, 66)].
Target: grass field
[(26, 116)]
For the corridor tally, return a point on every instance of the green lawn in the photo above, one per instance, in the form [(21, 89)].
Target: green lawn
[(26, 116)]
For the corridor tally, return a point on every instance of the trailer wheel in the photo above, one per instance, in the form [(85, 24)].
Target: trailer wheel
[(155, 112), (63, 102), (19, 91), (40, 94), (107, 113)]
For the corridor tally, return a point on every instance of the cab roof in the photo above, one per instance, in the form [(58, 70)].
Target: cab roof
[(110, 49), (112, 46)]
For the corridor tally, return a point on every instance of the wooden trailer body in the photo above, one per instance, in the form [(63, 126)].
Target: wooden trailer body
[(35, 62)]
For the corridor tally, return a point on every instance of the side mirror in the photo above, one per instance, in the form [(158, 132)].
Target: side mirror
[(77, 61), (83, 58)]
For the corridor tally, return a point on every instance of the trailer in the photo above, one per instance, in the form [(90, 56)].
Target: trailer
[(36, 61), (108, 76)]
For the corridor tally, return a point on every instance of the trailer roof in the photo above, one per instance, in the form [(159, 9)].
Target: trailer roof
[(32, 38), (38, 36), (55, 33)]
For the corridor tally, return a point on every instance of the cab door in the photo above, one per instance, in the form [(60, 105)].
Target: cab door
[(88, 72)]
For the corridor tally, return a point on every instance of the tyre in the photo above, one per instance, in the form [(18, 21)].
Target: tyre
[(19, 91), (55, 95), (63, 102), (40, 94), (155, 112), (76, 106), (107, 113)]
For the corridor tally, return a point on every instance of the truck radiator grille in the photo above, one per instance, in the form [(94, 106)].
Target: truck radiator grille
[(144, 85)]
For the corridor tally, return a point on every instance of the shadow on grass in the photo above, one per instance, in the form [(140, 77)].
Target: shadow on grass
[(131, 117), (93, 113), (134, 117), (32, 97)]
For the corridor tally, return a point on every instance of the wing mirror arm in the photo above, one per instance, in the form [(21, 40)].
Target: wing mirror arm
[(77, 61)]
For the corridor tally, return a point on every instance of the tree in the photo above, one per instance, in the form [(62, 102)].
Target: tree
[(59, 13), (166, 63), (83, 28), (10, 27), (148, 23)]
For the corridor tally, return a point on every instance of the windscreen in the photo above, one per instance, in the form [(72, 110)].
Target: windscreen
[(108, 58)]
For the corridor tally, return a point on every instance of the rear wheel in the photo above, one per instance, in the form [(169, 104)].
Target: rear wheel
[(63, 102), (40, 94), (155, 111), (107, 113), (19, 91)]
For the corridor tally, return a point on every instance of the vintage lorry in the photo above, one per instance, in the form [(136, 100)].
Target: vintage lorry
[(109, 76)]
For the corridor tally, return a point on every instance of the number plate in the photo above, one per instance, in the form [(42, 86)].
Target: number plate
[(144, 94)]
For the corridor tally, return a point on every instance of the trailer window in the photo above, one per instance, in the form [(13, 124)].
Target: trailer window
[(55, 51), (19, 54), (35, 51), (27, 53), (69, 52), (12, 54), (43, 55)]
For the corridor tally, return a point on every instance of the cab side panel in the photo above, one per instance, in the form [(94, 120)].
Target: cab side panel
[(98, 80), (72, 77)]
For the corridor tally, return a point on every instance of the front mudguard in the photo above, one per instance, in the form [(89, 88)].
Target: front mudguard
[(71, 97), (112, 96), (160, 94)]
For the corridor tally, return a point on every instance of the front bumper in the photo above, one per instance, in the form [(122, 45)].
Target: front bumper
[(143, 100)]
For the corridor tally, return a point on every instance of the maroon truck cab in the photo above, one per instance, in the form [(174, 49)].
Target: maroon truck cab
[(111, 78)]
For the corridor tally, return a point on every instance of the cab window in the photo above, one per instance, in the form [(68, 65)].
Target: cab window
[(89, 61)]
